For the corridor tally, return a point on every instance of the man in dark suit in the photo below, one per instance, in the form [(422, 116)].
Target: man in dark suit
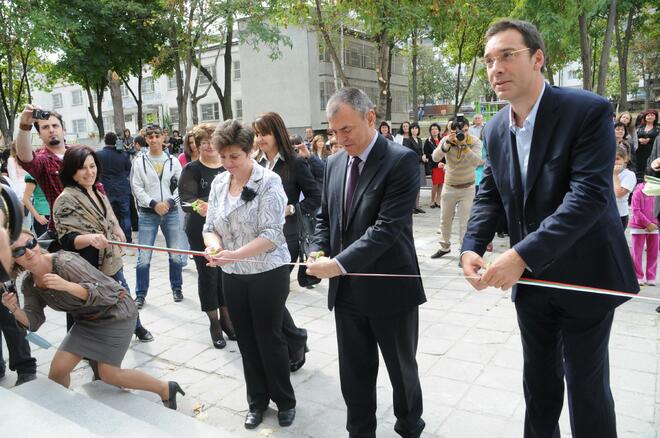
[(550, 158), (365, 226)]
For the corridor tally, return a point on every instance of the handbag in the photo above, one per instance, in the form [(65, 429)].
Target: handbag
[(305, 232)]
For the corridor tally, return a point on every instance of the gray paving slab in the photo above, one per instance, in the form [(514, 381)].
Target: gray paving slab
[(469, 356)]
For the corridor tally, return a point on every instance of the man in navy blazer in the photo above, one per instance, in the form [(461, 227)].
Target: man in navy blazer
[(365, 226), (549, 167)]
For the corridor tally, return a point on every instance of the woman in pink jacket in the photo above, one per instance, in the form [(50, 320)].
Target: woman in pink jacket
[(644, 230)]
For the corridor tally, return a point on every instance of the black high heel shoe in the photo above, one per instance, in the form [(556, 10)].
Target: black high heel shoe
[(217, 338), (227, 327), (174, 388)]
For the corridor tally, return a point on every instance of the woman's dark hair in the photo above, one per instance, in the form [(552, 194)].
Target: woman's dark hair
[(437, 126), (630, 126), (187, 150), (384, 123), (619, 125), (141, 141), (401, 127), (125, 131), (415, 125), (646, 113), (233, 133), (74, 160), (295, 139), (272, 123)]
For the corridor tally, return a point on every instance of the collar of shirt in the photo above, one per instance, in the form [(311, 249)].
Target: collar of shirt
[(270, 165), (365, 153), (530, 121)]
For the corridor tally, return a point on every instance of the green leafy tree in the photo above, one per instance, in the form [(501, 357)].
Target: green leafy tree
[(22, 60), (435, 77)]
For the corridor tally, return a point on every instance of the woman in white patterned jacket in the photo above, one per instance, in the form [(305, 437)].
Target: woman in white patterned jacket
[(243, 234)]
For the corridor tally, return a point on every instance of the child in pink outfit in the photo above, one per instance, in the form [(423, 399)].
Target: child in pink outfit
[(644, 230)]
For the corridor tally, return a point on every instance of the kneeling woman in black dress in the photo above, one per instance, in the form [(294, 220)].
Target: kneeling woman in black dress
[(103, 312)]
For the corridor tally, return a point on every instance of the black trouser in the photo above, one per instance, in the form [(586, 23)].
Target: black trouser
[(296, 338), (134, 214), (256, 304), (122, 210), (38, 228), (624, 221), (209, 280), (557, 343), (20, 358), (359, 337)]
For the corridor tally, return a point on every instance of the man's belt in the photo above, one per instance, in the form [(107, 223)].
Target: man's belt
[(461, 186)]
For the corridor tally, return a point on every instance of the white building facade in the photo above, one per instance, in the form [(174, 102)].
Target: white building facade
[(296, 85)]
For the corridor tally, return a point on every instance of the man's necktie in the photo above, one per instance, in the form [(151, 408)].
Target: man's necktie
[(353, 175)]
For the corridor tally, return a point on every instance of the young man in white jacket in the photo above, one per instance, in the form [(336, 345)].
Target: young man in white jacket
[(154, 181)]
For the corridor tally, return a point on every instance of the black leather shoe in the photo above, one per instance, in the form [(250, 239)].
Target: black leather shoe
[(139, 302), (439, 253), (217, 338), (285, 418), (253, 418), (174, 388), (177, 295), (143, 334), (419, 210), (25, 377)]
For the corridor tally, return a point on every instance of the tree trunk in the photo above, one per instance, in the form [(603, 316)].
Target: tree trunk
[(329, 46), (605, 51), (414, 73), (585, 52), (7, 134), (382, 73), (550, 74), (97, 116), (469, 84), (388, 107), (117, 102), (225, 100), (622, 55), (457, 90)]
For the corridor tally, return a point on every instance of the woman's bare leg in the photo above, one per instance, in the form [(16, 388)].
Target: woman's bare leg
[(133, 379), (61, 366)]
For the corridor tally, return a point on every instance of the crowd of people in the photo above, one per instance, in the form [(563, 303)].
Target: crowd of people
[(246, 195)]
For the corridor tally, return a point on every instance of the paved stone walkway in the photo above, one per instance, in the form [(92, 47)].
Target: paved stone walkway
[(469, 357)]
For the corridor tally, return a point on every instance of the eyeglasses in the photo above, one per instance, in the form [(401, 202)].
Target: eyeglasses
[(505, 57), (20, 250)]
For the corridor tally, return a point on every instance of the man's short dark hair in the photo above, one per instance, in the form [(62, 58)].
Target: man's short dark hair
[(110, 138), (52, 114), (531, 35)]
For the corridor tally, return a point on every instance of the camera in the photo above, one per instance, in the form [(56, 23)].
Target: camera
[(459, 124), (40, 114), (119, 145)]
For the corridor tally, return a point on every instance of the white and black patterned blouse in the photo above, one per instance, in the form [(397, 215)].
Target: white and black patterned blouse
[(240, 223)]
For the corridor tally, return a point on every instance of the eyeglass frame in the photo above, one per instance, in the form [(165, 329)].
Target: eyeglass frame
[(506, 56), (30, 244)]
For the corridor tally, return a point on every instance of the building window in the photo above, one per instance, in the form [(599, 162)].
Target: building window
[(324, 53), (57, 100), (237, 70), (203, 80), (573, 74), (326, 88), (79, 126), (174, 115), (399, 101), (238, 108), (124, 90), (171, 83), (128, 118), (148, 85), (76, 98), (210, 111)]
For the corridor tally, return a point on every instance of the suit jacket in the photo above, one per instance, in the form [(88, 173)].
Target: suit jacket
[(564, 224), (376, 236), (296, 179)]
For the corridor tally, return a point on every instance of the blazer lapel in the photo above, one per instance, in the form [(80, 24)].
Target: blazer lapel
[(370, 169), (340, 183), (544, 126)]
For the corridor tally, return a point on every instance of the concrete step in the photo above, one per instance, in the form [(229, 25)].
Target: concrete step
[(87, 413), (173, 422), (23, 418)]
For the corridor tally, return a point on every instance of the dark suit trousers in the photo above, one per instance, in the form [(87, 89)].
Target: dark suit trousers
[(558, 343), (256, 305), (359, 338), (209, 280), (20, 358), (296, 338)]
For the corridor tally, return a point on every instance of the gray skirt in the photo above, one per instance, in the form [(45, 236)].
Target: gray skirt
[(105, 341)]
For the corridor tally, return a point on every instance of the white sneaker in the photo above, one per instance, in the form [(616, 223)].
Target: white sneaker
[(641, 281), (650, 283)]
